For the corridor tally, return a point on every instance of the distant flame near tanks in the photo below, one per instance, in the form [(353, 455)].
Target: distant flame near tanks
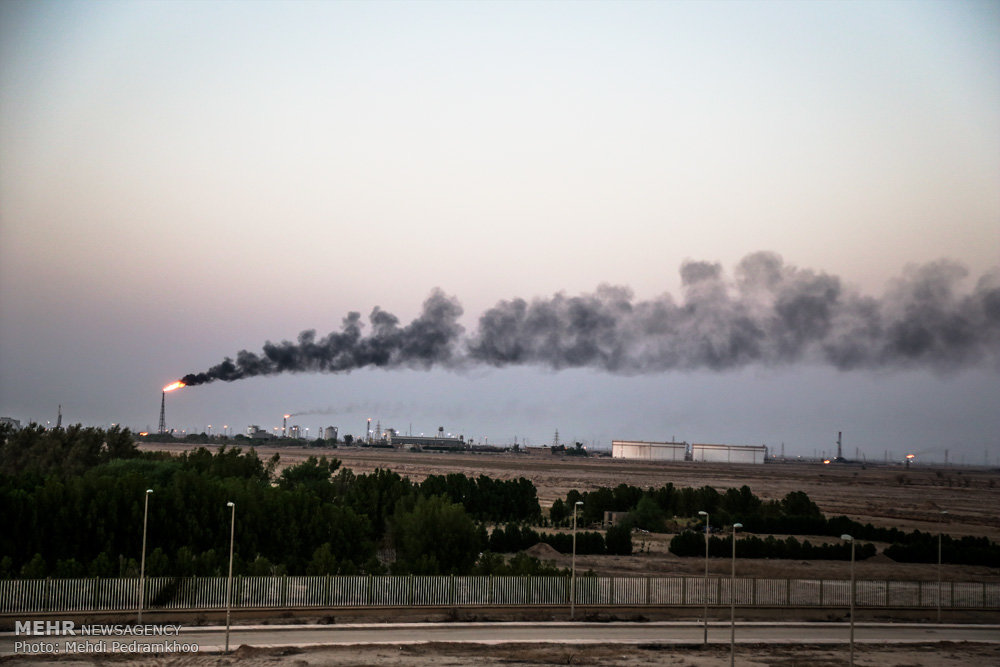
[(174, 385)]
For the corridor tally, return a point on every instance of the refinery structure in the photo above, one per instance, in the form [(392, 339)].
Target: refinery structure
[(641, 450)]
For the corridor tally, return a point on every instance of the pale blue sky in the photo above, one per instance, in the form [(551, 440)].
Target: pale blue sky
[(184, 180)]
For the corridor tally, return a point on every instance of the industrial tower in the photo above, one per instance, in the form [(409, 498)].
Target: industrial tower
[(163, 413)]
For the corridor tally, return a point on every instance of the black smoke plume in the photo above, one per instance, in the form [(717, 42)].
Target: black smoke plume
[(769, 313), (429, 340)]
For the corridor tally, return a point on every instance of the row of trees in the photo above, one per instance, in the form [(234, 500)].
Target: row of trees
[(514, 537), (690, 543), (671, 509), (73, 504)]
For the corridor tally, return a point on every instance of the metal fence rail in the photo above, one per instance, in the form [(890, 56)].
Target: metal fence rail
[(180, 593)]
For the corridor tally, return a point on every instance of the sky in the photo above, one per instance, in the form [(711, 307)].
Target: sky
[(180, 181)]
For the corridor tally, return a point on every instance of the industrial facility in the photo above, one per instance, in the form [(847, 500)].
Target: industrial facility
[(437, 441), (641, 450), (729, 453)]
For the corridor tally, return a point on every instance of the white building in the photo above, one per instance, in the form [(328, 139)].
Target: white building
[(729, 453), (641, 450)]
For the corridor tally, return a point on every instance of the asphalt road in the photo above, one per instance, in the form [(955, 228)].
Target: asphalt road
[(213, 638)]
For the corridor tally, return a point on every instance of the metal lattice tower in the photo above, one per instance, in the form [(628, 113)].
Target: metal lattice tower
[(163, 413)]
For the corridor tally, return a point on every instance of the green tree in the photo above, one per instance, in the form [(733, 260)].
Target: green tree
[(647, 515), (312, 473), (323, 561), (558, 513), (618, 541), (434, 537)]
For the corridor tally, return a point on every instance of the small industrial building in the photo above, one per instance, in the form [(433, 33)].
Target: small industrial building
[(729, 453), (649, 451), (427, 442)]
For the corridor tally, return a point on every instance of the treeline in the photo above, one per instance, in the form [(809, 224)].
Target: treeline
[(73, 502), (514, 537), (672, 509), (691, 543)]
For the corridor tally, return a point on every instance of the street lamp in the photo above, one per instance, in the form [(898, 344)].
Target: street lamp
[(851, 540), (229, 581), (704, 588), (572, 578), (142, 565), (732, 602), (944, 514)]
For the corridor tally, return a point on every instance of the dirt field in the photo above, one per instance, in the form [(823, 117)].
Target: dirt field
[(883, 495)]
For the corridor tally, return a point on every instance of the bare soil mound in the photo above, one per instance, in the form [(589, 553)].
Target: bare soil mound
[(542, 551), (880, 558)]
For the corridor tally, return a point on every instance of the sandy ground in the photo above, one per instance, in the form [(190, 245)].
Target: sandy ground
[(461, 655)]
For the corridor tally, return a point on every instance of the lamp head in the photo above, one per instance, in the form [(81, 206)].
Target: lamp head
[(702, 513), (737, 526), (579, 503), (149, 490), (848, 538), (230, 504)]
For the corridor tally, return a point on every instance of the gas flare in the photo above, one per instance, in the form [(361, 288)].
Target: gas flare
[(174, 385)]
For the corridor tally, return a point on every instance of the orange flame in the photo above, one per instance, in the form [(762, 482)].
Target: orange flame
[(174, 385)]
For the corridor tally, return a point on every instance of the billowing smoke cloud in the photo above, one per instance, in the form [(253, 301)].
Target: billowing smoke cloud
[(769, 313), (429, 340)]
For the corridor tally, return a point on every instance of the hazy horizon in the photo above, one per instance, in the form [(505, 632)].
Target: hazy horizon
[(180, 181)]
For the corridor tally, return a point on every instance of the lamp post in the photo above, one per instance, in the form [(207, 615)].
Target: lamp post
[(142, 562), (732, 602), (944, 514), (851, 540), (572, 577), (229, 581), (704, 588)]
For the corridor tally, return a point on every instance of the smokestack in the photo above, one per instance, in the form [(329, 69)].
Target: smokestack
[(59, 417), (163, 412), (839, 455)]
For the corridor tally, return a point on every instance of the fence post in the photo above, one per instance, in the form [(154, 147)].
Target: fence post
[(284, 590), (920, 594), (611, 590), (718, 590), (983, 588), (788, 592), (648, 585), (753, 592), (409, 596), (371, 590), (684, 591), (489, 590), (97, 593), (528, 584), (951, 603), (821, 592), (451, 591)]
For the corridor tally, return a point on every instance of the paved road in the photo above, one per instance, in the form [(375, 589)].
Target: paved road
[(213, 638)]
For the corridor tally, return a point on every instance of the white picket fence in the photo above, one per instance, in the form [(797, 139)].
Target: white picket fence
[(278, 592)]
